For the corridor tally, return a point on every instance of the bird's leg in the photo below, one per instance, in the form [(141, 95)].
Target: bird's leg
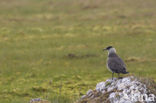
[(119, 76), (112, 75)]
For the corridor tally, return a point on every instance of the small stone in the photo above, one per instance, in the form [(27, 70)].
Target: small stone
[(38, 100), (100, 86), (89, 93), (110, 89), (103, 91), (84, 96), (121, 86), (112, 97), (35, 100)]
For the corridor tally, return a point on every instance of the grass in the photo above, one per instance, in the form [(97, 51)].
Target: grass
[(53, 49)]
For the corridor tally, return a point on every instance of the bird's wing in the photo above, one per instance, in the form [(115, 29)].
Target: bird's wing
[(117, 65)]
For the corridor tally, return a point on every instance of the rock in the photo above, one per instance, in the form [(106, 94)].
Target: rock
[(38, 100), (125, 90), (84, 96), (89, 93), (100, 86)]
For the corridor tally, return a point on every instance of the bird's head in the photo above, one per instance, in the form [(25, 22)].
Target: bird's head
[(110, 49)]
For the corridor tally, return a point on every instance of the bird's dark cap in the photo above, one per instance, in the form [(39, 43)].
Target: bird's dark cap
[(109, 47)]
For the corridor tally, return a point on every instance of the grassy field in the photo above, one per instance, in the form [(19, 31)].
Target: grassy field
[(52, 49)]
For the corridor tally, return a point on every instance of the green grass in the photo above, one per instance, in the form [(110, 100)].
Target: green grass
[(37, 38)]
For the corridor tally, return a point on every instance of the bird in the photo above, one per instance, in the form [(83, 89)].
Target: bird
[(114, 63)]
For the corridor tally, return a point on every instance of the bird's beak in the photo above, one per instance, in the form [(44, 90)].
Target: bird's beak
[(104, 49)]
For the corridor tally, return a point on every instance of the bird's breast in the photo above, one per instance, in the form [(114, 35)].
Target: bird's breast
[(108, 66)]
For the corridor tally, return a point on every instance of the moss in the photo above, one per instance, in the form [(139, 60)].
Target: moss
[(108, 83), (117, 95)]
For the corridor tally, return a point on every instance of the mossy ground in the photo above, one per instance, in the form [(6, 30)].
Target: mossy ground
[(37, 38)]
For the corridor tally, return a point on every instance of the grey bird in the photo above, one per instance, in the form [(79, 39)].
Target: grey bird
[(114, 63)]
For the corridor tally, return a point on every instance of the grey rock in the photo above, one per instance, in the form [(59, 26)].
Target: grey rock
[(126, 90), (89, 93), (84, 96), (35, 100), (38, 100), (100, 86)]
